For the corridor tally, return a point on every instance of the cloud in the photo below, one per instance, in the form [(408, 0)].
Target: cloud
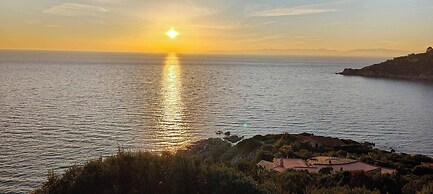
[(292, 11), (267, 38), (217, 27), (110, 3), (75, 9), (334, 23), (51, 26), (202, 11), (106, 1)]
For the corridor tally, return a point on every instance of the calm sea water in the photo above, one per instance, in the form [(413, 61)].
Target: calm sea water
[(62, 108)]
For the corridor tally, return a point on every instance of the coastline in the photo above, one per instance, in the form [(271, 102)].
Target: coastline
[(214, 165)]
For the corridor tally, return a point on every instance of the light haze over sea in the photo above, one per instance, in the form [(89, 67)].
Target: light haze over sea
[(62, 108)]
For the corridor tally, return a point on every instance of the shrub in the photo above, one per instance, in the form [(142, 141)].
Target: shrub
[(422, 170), (129, 172), (326, 170), (428, 189), (264, 155)]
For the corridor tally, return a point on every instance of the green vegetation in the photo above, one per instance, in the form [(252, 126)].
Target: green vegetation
[(214, 166), (143, 172)]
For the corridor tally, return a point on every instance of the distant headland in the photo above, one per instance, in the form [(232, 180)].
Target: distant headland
[(413, 67)]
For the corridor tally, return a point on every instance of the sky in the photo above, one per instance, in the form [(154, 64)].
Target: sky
[(225, 26)]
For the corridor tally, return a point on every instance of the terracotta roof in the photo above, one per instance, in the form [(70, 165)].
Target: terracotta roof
[(387, 170), (267, 165), (326, 160), (354, 167), (428, 164), (290, 162), (312, 169), (279, 169), (338, 165)]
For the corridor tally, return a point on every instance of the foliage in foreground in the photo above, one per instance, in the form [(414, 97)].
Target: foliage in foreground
[(143, 172), (215, 166)]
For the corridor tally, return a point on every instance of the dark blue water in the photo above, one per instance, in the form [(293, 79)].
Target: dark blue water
[(60, 108)]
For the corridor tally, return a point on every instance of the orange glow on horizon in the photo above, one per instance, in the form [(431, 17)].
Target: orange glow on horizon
[(269, 27)]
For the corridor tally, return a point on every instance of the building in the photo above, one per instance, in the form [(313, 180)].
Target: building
[(313, 165), (427, 164)]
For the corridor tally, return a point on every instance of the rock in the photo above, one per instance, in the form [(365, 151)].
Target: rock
[(233, 138), (227, 133), (429, 50), (349, 71), (208, 148), (414, 67)]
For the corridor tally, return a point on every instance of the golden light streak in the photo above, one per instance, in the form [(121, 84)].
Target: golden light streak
[(173, 132)]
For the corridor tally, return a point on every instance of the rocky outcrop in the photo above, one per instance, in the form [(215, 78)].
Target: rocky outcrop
[(429, 50), (259, 147), (413, 66)]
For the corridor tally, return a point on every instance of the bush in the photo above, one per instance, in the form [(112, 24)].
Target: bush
[(294, 181), (285, 139), (422, 170), (428, 189), (326, 170), (139, 172), (416, 183), (248, 145), (304, 154), (264, 155)]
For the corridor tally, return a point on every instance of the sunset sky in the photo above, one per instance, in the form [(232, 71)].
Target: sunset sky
[(216, 25)]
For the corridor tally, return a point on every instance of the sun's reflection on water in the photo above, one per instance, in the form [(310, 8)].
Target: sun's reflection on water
[(173, 131)]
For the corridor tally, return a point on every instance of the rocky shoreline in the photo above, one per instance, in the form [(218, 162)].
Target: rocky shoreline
[(412, 67)]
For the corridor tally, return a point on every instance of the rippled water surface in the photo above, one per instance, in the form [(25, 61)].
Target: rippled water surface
[(60, 108)]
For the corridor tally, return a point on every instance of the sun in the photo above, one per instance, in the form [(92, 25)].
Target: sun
[(172, 33)]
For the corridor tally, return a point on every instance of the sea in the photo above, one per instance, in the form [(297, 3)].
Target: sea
[(62, 108)]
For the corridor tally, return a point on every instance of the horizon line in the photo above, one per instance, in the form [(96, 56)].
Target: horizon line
[(319, 52)]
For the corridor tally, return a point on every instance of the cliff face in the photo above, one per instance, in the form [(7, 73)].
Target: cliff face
[(413, 66)]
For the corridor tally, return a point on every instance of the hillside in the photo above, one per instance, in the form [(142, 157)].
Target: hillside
[(216, 166), (413, 67)]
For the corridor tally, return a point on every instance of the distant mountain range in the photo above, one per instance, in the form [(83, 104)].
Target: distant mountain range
[(318, 52)]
